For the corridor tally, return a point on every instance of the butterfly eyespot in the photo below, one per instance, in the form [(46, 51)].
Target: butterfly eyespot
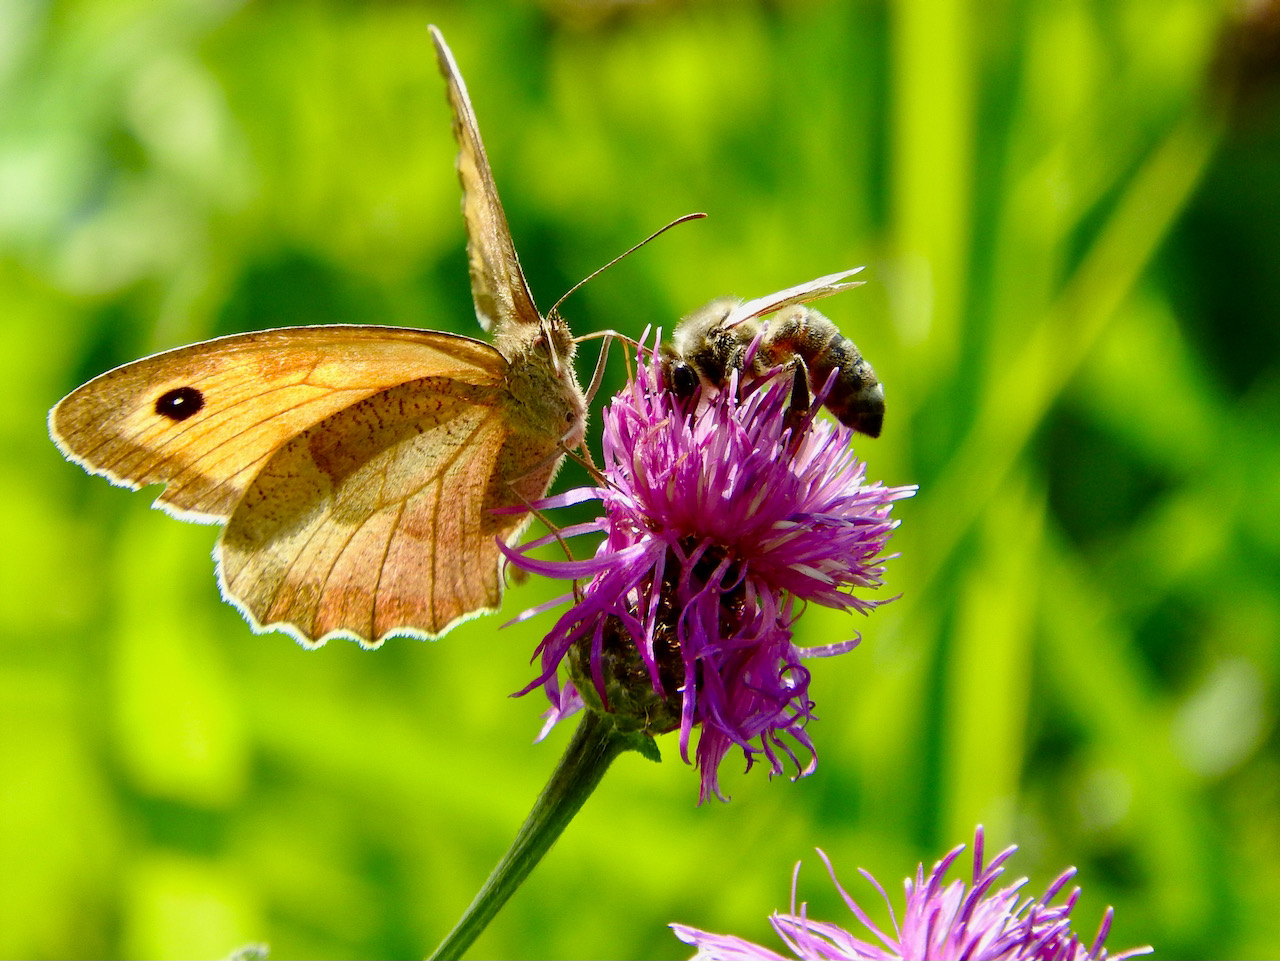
[(179, 403)]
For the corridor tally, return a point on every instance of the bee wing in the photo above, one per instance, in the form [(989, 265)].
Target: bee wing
[(799, 294)]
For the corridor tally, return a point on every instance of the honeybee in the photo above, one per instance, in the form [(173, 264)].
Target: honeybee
[(730, 334)]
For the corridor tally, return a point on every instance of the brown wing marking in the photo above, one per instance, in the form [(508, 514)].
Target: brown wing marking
[(258, 390), (377, 520)]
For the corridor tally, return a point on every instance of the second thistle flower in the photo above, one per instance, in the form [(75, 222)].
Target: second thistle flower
[(721, 517)]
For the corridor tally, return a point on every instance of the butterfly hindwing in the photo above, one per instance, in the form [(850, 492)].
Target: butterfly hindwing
[(402, 541)]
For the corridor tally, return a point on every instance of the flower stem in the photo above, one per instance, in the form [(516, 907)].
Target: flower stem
[(595, 744)]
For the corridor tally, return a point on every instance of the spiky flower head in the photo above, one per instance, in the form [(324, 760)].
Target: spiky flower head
[(722, 516), (942, 922)]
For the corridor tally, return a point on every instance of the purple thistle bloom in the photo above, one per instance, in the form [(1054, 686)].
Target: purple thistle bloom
[(718, 523), (957, 921)]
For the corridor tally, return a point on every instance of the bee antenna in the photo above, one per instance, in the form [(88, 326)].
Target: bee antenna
[(555, 309)]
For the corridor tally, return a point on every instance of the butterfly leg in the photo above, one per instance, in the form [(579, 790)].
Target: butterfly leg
[(597, 376), (519, 575)]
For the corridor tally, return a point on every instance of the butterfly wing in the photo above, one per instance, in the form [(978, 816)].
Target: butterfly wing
[(497, 283), (379, 520), (203, 420)]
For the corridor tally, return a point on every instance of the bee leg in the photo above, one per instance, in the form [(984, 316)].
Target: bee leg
[(800, 407)]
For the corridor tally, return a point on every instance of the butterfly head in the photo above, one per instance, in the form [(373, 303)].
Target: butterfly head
[(555, 342)]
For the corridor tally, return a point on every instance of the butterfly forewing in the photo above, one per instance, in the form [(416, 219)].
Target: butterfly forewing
[(497, 283), (204, 419)]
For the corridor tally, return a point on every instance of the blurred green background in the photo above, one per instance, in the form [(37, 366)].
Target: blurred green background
[(1069, 212)]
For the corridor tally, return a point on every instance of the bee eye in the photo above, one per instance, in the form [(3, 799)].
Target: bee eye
[(684, 380)]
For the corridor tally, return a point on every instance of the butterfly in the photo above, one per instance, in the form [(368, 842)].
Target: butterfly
[(357, 469)]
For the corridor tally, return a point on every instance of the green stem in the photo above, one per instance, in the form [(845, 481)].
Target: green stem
[(595, 744)]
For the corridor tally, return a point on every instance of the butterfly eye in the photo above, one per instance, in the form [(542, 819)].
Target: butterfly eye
[(179, 403)]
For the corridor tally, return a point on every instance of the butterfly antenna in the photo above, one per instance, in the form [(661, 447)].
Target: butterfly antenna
[(555, 309)]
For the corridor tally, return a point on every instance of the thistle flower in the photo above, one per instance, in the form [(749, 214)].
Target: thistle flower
[(722, 515), (952, 922)]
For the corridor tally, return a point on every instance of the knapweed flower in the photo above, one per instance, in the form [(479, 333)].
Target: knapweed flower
[(722, 515), (955, 921)]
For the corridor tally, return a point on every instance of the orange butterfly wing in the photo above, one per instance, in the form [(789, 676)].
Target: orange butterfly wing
[(356, 468), (378, 520), (498, 286), (246, 395)]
